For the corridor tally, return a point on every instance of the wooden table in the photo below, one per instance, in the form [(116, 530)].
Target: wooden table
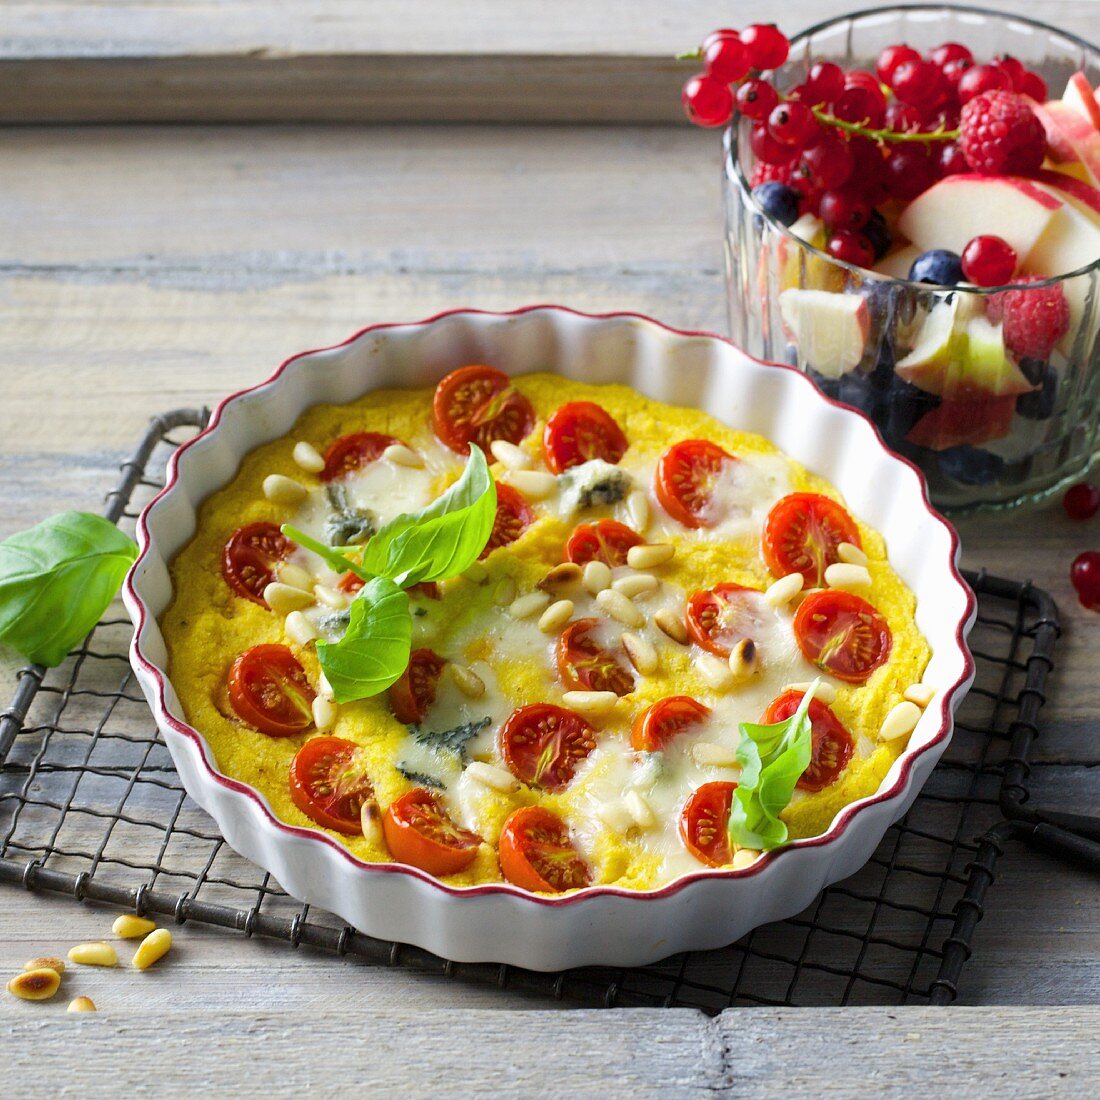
[(153, 266)]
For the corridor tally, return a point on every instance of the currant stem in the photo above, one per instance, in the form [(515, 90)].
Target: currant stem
[(883, 135)]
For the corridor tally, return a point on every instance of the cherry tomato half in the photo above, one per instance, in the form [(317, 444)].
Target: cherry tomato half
[(351, 452), (513, 517), (250, 558), (802, 533), (478, 404), (686, 475), (659, 723), (420, 832), (842, 634), (704, 823), (412, 696), (351, 584), (329, 783), (584, 664), (718, 618), (832, 743), (269, 690), (536, 853), (579, 432), (607, 540), (542, 744)]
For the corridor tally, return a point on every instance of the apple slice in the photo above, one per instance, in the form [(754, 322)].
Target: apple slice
[(1076, 131), (958, 208), (829, 329), (966, 422), (1079, 97), (1058, 148), (1071, 241), (896, 264), (1084, 196)]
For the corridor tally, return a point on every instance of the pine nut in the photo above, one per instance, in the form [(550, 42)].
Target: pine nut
[(921, 694), (35, 985), (93, 954), (466, 680), (597, 577), (308, 457), (900, 721), (323, 686), (590, 702), (784, 590), (284, 490), (823, 693), (637, 584), (561, 576), (637, 511), (324, 713), (488, 775), (619, 608), (295, 576), (650, 554), (299, 629), (865, 747), (744, 857), (155, 946), (616, 816), (50, 962), (556, 616), (671, 624), (640, 810), (81, 1004), (505, 592), (331, 597), (508, 454), (744, 660), (130, 927), (283, 599), (847, 577), (642, 654), (523, 607), (708, 753), (533, 484), (715, 672), (399, 455), (370, 820), (851, 554)]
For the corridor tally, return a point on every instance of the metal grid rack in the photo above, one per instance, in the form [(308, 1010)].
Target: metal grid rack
[(91, 807)]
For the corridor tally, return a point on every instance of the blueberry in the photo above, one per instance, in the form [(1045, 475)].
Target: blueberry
[(859, 390), (971, 465), (904, 405), (777, 200), (937, 266), (1033, 369), (1039, 404), (876, 232), (830, 387)]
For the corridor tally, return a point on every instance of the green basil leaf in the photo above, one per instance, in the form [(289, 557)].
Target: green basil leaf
[(56, 580), (442, 540), (332, 558), (374, 651), (772, 760)]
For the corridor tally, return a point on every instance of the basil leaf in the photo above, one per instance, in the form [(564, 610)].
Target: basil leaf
[(336, 561), (442, 540), (772, 760), (56, 580), (374, 651)]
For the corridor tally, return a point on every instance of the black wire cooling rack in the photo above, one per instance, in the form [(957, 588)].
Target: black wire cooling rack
[(91, 807)]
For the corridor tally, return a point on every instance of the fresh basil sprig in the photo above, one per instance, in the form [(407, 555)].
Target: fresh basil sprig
[(772, 759), (56, 580)]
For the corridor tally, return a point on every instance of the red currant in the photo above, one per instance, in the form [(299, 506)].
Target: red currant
[(891, 58), (1013, 68), (861, 78), (767, 45), (726, 59), (860, 105), (829, 162), (824, 82), (851, 248), (1085, 575), (844, 209), (951, 160), (988, 261), (919, 83), (982, 78), (714, 36), (1033, 86), (756, 99), (902, 117), (708, 102), (953, 71), (1082, 501), (948, 52), (766, 148), (793, 123), (868, 170), (909, 172)]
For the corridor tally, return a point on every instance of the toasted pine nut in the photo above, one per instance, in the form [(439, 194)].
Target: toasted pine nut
[(155, 946), (556, 616), (399, 455), (921, 694), (642, 654), (671, 624), (533, 484), (129, 926), (295, 576), (597, 577), (371, 821), (744, 857), (284, 490), (466, 680), (93, 954), (823, 693), (308, 457), (840, 575), (331, 597), (523, 607), (283, 599), (865, 747), (51, 962), (564, 575), (637, 511), (640, 810), (851, 554), (508, 454), (35, 985), (650, 554), (323, 686), (488, 775), (709, 753), (616, 816), (784, 590), (324, 713), (81, 1004), (636, 584), (505, 591), (744, 660), (715, 672), (590, 702), (299, 629), (900, 721), (619, 608)]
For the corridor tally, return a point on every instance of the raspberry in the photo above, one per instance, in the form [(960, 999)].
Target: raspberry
[(1034, 319), (1001, 136), (763, 172)]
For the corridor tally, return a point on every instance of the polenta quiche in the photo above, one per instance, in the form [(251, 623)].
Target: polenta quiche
[(544, 632)]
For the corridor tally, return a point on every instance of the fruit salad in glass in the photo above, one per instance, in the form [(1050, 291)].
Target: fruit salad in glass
[(913, 219)]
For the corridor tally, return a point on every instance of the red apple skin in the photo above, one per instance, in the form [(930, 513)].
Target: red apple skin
[(1078, 96), (956, 422), (1061, 151), (1072, 187), (1082, 137)]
